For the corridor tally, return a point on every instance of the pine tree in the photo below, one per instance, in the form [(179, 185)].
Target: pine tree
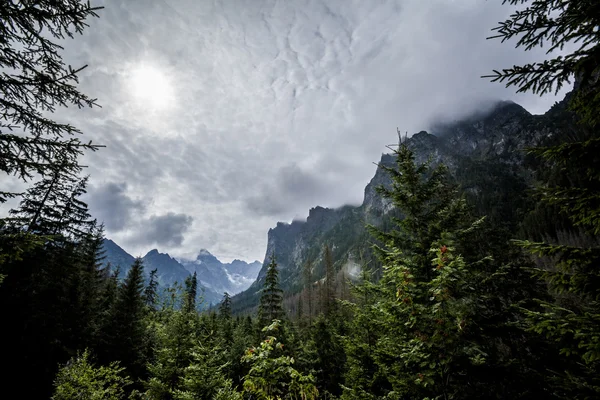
[(572, 320), (225, 307), (271, 299), (308, 288), (49, 292), (127, 326), (151, 290), (191, 292), (176, 333), (34, 82), (52, 207), (330, 287), (425, 310)]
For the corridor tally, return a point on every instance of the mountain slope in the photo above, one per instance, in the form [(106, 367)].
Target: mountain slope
[(485, 156), (117, 257)]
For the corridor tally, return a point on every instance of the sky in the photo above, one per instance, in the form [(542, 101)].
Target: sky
[(221, 118)]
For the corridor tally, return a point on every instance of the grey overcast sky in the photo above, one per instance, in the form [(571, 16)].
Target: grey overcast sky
[(222, 117)]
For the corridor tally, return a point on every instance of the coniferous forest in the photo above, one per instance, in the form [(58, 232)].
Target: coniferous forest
[(457, 298)]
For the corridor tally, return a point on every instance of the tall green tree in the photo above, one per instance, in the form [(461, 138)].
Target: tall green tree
[(34, 81), (191, 293), (151, 290), (271, 298), (328, 295), (426, 306), (225, 306), (49, 294), (127, 327), (572, 318)]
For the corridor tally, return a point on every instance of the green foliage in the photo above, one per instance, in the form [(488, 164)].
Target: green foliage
[(225, 306), (191, 292), (151, 290), (571, 319), (555, 23), (175, 333), (80, 379), (204, 378), (272, 375), (126, 327), (271, 297)]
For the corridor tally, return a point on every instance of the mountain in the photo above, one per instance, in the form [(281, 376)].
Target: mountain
[(117, 257), (232, 277), (170, 271), (214, 277), (484, 154)]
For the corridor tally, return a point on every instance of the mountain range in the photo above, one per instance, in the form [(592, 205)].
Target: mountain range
[(214, 277), (485, 155)]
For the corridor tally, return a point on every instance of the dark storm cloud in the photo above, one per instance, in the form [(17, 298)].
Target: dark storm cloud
[(292, 187), (111, 205), (164, 230)]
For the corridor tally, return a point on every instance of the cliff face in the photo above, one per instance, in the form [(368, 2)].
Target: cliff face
[(485, 155)]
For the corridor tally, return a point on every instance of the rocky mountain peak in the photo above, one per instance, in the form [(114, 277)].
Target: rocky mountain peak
[(204, 256), (152, 253)]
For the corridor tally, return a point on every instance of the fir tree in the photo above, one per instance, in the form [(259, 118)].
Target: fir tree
[(308, 292), (151, 290), (50, 291), (425, 310), (191, 292), (127, 326), (271, 299), (572, 320), (225, 306), (329, 287), (52, 207), (34, 82)]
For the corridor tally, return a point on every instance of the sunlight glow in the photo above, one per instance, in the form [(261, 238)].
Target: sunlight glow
[(151, 88)]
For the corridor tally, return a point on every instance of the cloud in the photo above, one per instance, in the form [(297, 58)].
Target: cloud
[(278, 105), (111, 205), (164, 230)]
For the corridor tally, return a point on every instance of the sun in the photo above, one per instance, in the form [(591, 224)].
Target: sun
[(151, 87)]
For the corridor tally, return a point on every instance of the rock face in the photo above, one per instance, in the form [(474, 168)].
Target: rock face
[(484, 153)]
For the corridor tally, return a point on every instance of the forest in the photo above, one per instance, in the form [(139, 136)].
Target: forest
[(456, 298)]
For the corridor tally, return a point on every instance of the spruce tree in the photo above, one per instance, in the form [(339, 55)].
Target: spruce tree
[(308, 288), (426, 305), (49, 292), (191, 292), (271, 299), (151, 290), (225, 307), (34, 82), (328, 299), (127, 326), (572, 319)]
